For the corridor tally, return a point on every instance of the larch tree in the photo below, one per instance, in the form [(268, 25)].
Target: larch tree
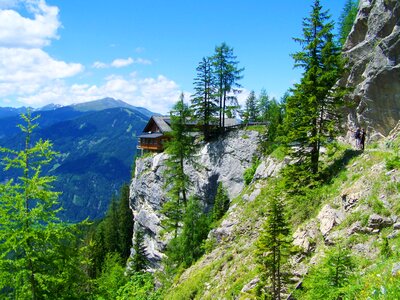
[(204, 101), (180, 149), (35, 245), (227, 75), (313, 111)]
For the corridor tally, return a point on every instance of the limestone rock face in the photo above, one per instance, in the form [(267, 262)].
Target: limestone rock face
[(223, 160), (373, 52)]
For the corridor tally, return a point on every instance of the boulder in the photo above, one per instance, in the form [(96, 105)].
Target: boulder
[(376, 221), (328, 218)]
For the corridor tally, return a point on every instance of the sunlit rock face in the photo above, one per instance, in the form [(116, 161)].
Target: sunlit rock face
[(223, 160), (373, 52)]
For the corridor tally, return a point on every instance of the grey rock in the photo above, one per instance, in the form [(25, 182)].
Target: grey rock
[(396, 269), (328, 218), (373, 52), (306, 236), (251, 285), (223, 160), (376, 221), (396, 226)]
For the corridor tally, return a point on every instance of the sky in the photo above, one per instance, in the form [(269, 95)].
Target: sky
[(143, 52)]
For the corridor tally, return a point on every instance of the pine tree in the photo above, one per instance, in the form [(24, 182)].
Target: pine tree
[(346, 20), (263, 106), (179, 149), (139, 260), (251, 113), (227, 74), (36, 248), (313, 111), (273, 249), (125, 223), (204, 103)]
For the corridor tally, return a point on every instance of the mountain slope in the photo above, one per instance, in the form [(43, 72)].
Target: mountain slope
[(96, 149), (358, 209)]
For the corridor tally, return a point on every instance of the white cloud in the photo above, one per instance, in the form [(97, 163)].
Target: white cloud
[(157, 94), (17, 31), (99, 65), (121, 62), (26, 70)]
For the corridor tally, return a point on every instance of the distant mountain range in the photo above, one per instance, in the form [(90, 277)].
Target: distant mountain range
[(97, 144)]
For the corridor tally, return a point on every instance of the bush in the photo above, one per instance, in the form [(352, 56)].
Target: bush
[(249, 173)]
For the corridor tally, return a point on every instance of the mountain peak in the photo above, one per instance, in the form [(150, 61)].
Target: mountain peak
[(101, 104)]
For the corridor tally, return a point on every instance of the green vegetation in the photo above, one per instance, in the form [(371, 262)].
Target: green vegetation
[(346, 20), (313, 110), (39, 254), (273, 248)]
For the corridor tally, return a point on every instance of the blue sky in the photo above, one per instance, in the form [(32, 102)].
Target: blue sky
[(142, 52)]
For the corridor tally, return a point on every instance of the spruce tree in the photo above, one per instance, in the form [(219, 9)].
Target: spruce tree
[(204, 102), (273, 249), (36, 247), (227, 76), (313, 111), (139, 260), (251, 113), (125, 223)]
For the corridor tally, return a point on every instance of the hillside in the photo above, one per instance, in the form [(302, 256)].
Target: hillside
[(97, 147), (359, 208)]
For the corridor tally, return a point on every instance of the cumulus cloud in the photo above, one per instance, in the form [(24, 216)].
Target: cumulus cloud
[(29, 75), (18, 31), (157, 94), (121, 62), (25, 67)]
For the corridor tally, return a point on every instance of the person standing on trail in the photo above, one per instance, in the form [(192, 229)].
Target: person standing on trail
[(362, 139), (357, 136)]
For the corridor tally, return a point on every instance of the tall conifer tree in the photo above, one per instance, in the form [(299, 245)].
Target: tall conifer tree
[(313, 111), (204, 102), (35, 246), (180, 149), (227, 76), (273, 249)]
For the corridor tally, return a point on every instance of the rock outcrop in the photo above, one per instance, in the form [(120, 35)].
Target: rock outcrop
[(373, 52), (223, 160)]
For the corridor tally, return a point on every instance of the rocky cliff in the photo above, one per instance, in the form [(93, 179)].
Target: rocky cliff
[(373, 52), (223, 160)]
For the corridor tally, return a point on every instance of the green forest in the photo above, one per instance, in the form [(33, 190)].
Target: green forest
[(44, 257)]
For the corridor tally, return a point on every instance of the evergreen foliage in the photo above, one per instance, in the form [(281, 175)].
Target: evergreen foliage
[(329, 278), (184, 249), (313, 110), (113, 234), (204, 102), (39, 258), (180, 149), (221, 203), (251, 109), (140, 286), (273, 248), (139, 260), (346, 20), (227, 76)]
